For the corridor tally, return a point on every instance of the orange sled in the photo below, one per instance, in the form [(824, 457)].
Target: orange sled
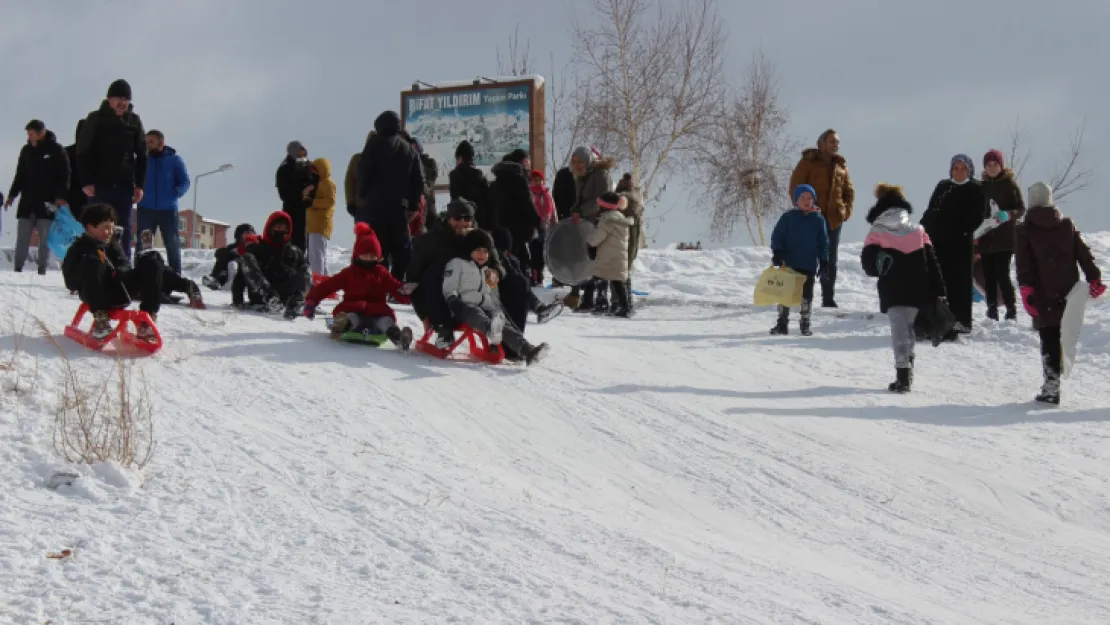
[(479, 345), (126, 322)]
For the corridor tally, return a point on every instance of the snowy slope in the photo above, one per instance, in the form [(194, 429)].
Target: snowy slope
[(681, 467)]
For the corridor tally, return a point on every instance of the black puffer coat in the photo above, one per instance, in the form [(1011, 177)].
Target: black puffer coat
[(41, 176)]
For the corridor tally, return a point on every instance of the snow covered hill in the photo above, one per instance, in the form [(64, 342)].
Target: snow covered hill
[(681, 467)]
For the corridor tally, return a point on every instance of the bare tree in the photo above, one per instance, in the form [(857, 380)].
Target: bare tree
[(518, 61), (745, 170), (651, 76), (1068, 175), (1019, 154), (564, 123), (1071, 177)]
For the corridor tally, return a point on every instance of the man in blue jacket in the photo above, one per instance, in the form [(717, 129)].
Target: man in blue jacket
[(167, 181)]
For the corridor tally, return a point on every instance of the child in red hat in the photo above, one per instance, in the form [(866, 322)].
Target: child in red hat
[(366, 284), (545, 208)]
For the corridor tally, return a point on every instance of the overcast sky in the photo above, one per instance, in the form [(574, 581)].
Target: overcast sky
[(907, 84)]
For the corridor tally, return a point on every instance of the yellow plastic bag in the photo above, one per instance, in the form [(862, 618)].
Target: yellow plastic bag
[(779, 285)]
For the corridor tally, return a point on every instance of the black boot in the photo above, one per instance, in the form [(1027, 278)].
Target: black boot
[(601, 298), (586, 304), (628, 290), (621, 298), (807, 308), (903, 382), (782, 327), (992, 312), (1050, 390)]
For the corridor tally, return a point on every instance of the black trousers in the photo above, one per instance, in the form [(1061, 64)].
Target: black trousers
[(144, 282), (996, 277), (392, 229), (1052, 353)]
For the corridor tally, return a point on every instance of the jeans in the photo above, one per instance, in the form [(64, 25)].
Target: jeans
[(902, 336), (318, 253), (164, 221), (996, 277), (375, 325), (120, 197), (828, 281), (23, 241)]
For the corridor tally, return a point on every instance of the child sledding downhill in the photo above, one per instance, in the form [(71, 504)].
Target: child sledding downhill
[(800, 241), (610, 239), (366, 285), (275, 269), (96, 268), (1048, 251), (472, 302), (227, 264), (901, 256)]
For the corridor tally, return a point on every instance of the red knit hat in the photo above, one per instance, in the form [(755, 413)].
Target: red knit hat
[(366, 242), (994, 156), (537, 174)]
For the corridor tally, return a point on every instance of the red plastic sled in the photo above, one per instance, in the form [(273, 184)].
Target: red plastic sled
[(123, 317), (317, 278), (479, 345)]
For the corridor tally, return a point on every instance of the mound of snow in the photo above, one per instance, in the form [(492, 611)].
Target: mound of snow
[(679, 467)]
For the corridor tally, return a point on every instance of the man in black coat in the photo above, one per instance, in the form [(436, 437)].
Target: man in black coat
[(75, 196), (391, 183), (512, 199), (41, 182), (111, 156), (467, 181), (293, 181), (564, 193)]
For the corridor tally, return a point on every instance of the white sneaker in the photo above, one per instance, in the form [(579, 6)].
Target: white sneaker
[(496, 327)]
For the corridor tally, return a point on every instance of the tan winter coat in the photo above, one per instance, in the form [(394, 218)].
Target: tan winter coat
[(635, 211), (835, 194), (611, 240), (590, 186)]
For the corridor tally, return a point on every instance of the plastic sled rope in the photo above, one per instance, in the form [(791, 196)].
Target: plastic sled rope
[(317, 278), (64, 230), (479, 345), (126, 320)]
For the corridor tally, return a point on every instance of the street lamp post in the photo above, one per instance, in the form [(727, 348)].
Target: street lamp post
[(196, 185)]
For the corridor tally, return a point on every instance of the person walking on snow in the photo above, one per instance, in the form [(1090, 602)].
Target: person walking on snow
[(41, 181), (900, 254), (1050, 252), (824, 169), (996, 248), (111, 157), (167, 181), (800, 241), (320, 216)]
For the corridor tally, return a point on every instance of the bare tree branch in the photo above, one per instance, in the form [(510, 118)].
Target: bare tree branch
[(745, 170), (1071, 177), (1019, 155), (652, 82), (564, 122), (519, 60)]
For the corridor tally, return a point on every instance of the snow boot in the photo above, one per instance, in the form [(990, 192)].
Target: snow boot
[(273, 305), (211, 282), (340, 323), (535, 353), (1011, 313), (992, 313), (601, 298), (547, 312), (628, 290), (196, 300), (445, 336), (496, 328), (145, 332), (782, 326), (102, 326), (586, 304), (1050, 390), (828, 302), (807, 307), (903, 382), (621, 307)]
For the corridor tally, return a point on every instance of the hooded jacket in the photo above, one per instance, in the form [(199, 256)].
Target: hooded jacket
[(97, 270), (281, 263), (321, 214), (899, 253), (835, 193), (365, 291), (1004, 191), (610, 237), (589, 187), (513, 200), (41, 176), (167, 180), (801, 240), (467, 181), (1050, 252), (390, 174), (111, 149)]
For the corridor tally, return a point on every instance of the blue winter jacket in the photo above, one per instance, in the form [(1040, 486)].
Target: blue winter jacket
[(801, 240), (167, 181)]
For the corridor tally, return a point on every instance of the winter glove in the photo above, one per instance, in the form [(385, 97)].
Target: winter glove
[(776, 260), (1027, 301), (309, 311), (408, 288), (1097, 289)]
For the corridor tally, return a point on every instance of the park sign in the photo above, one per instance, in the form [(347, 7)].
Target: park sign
[(496, 115)]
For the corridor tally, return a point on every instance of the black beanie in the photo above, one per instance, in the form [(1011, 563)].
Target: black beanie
[(479, 238), (241, 230), (516, 156), (119, 89), (465, 151)]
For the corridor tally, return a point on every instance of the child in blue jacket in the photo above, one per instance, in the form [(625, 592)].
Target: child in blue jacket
[(800, 242)]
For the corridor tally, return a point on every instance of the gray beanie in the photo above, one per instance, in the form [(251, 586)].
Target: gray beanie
[(583, 154), (1040, 194), (294, 149)]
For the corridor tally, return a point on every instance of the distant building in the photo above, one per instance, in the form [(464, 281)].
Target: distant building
[(195, 230)]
